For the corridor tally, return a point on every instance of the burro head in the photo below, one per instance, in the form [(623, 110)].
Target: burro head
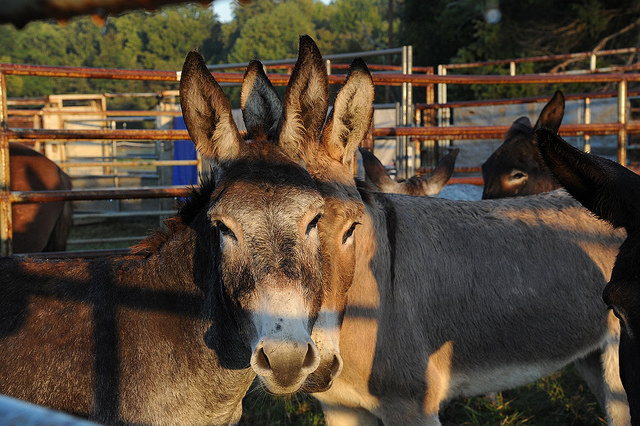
[(286, 209), (258, 236)]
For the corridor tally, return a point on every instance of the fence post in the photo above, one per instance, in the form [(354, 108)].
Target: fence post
[(443, 114), (6, 245), (622, 120), (587, 120)]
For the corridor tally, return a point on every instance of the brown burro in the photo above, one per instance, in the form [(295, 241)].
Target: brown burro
[(446, 298), (515, 168), (176, 331), (38, 227)]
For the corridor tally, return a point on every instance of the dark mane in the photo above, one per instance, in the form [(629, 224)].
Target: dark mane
[(189, 206), (366, 190), (198, 198)]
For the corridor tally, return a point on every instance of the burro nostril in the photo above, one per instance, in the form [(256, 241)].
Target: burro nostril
[(312, 359), (262, 360), (336, 367)]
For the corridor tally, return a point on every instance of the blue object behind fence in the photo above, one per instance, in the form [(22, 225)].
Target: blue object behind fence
[(184, 150)]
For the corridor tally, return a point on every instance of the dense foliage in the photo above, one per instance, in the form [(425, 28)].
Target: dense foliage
[(440, 31)]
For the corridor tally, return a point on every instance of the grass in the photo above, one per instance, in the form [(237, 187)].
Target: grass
[(560, 399), (262, 409)]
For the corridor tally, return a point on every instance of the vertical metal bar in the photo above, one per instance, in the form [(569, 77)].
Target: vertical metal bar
[(428, 119), (444, 114), (512, 68), (409, 110), (622, 119), (402, 161), (399, 150), (587, 120), (6, 244), (593, 62)]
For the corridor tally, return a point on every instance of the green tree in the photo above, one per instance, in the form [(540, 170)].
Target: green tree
[(136, 40), (356, 25), (529, 28), (272, 32)]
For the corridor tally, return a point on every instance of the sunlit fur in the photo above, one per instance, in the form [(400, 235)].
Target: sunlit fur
[(347, 125), (424, 185), (38, 226)]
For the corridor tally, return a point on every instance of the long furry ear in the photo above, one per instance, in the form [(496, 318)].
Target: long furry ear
[(207, 112), (351, 116), (438, 178), (607, 188), (261, 106), (552, 113), (376, 173), (306, 101)]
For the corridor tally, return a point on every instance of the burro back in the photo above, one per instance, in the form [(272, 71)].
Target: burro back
[(460, 298)]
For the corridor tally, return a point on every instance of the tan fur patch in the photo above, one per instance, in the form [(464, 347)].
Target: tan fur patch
[(438, 378)]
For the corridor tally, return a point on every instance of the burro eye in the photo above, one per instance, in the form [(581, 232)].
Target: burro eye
[(224, 230), (313, 224), (347, 235), (518, 175)]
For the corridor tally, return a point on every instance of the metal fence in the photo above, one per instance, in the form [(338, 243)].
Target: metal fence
[(409, 129)]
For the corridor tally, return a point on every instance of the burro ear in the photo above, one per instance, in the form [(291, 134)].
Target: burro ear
[(207, 112), (306, 101), (352, 114), (552, 113), (607, 188), (261, 106)]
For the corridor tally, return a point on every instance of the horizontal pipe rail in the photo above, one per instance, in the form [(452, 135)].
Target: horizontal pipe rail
[(518, 101), (105, 114), (393, 79), (98, 194), (380, 78), (81, 242), (113, 134), (426, 79), (88, 254), (548, 58), (498, 132), (141, 163), (115, 215), (456, 132)]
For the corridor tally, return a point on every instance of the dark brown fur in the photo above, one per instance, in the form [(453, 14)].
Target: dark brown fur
[(515, 168), (613, 193), (119, 340)]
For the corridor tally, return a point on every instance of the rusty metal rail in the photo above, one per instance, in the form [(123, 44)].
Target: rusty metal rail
[(98, 194), (498, 132), (518, 101), (621, 127), (592, 56)]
